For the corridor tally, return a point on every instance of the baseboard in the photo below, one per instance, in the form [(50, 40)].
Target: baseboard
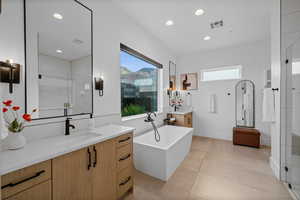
[(275, 168)]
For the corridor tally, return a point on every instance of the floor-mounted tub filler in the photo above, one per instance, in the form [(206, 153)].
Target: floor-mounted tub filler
[(160, 159)]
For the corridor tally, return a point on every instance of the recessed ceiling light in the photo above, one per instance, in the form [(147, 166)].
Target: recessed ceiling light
[(58, 16), (59, 51), (169, 23), (206, 38), (199, 12)]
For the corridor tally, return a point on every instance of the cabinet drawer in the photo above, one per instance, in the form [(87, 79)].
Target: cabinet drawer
[(124, 157), (41, 191), (125, 181), (124, 140), (23, 179)]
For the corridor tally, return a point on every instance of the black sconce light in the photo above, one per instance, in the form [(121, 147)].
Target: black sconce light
[(9, 73), (99, 85)]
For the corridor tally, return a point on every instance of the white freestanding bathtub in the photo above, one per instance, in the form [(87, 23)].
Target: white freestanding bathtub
[(160, 159)]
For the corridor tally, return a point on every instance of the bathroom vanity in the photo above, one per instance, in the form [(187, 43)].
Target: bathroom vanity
[(182, 118), (90, 166)]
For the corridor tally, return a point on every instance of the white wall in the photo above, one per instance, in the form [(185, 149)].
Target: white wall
[(111, 27), (276, 83), (255, 60)]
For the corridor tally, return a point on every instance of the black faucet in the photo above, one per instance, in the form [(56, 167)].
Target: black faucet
[(68, 125), (149, 118)]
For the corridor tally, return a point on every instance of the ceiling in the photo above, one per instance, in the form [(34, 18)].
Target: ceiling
[(245, 21)]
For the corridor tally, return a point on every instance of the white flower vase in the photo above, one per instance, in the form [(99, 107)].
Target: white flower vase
[(14, 141)]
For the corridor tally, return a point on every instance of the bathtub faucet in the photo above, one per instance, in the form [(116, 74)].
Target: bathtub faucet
[(151, 120), (149, 117)]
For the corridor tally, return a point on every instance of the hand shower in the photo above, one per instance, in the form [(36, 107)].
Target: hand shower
[(151, 120)]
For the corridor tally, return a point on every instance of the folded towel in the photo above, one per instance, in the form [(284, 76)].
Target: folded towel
[(212, 108), (268, 106)]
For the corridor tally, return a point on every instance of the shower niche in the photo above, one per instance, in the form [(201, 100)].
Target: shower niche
[(244, 133)]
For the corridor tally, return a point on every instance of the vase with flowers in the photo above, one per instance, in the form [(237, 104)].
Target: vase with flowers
[(15, 123), (176, 100)]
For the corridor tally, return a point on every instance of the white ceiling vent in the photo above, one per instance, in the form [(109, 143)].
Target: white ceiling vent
[(216, 24)]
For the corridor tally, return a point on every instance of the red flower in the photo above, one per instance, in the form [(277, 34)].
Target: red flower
[(27, 117), (15, 108), (4, 110), (7, 103)]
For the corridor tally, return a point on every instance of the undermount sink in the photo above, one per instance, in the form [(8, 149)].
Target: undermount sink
[(76, 137)]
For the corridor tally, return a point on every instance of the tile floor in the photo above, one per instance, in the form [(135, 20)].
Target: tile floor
[(215, 170)]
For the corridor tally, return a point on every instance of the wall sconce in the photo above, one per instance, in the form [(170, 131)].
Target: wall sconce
[(10, 73), (99, 85)]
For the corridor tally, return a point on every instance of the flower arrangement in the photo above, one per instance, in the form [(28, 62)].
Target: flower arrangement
[(13, 120), (176, 100)]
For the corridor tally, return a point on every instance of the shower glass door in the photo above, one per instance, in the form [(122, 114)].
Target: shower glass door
[(293, 117)]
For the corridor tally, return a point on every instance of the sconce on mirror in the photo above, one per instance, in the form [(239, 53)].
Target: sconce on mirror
[(99, 85), (10, 73)]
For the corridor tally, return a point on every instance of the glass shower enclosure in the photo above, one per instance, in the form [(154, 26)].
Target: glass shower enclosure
[(290, 36)]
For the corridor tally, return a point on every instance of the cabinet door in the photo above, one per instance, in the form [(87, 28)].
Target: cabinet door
[(39, 192), (189, 120), (72, 178), (104, 171)]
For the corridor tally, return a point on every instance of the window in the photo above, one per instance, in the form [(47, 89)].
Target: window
[(139, 83), (222, 73)]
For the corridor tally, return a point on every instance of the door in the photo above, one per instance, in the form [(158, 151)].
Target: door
[(104, 171), (293, 117), (72, 176)]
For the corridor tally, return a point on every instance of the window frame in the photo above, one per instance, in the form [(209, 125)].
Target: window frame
[(159, 67), (239, 67)]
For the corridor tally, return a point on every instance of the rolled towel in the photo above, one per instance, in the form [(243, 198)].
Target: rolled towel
[(212, 108)]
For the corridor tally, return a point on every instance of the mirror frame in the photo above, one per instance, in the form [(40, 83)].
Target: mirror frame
[(169, 89), (236, 86), (174, 64), (26, 64)]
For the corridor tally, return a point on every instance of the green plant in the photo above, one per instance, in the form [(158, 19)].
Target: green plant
[(133, 109)]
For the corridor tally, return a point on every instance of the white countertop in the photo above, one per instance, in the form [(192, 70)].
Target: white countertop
[(180, 112), (45, 149)]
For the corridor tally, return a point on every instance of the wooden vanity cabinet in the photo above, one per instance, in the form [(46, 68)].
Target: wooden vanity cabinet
[(72, 176), (39, 192), (185, 120), (20, 184), (87, 174), (124, 164), (103, 171)]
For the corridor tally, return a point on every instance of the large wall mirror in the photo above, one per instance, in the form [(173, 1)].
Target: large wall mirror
[(245, 104), (58, 46)]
